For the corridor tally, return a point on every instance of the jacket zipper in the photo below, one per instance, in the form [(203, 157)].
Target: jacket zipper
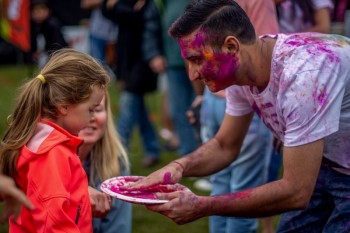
[(78, 215)]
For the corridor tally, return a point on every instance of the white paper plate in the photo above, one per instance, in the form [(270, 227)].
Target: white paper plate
[(145, 196)]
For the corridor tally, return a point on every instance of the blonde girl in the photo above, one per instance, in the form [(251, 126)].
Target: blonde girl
[(104, 157)]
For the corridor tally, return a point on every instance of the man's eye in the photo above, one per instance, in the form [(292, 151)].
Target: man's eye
[(194, 61), (197, 60)]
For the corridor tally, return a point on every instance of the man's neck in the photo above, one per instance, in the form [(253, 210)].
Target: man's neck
[(259, 56)]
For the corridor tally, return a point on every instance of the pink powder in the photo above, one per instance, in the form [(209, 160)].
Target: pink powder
[(144, 193), (167, 178)]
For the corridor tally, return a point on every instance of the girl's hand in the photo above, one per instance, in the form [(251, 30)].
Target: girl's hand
[(100, 203)]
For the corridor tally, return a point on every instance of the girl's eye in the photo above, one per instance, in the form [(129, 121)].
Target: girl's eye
[(91, 110)]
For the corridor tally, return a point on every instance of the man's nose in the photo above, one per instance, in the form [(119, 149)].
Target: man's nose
[(193, 73)]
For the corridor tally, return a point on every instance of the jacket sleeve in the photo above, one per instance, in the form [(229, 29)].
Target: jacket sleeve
[(152, 33), (48, 189)]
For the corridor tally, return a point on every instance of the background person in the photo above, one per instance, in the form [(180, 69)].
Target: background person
[(135, 69), (46, 32)]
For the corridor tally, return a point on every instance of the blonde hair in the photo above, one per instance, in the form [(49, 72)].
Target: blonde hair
[(108, 156), (70, 77)]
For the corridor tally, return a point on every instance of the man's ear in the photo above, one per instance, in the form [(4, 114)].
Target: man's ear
[(231, 45), (62, 109)]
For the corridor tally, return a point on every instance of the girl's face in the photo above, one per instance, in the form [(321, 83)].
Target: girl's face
[(96, 128), (77, 117)]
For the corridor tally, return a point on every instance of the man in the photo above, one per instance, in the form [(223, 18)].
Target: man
[(250, 168), (299, 85)]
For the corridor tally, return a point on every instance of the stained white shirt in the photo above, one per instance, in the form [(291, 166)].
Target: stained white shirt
[(308, 95)]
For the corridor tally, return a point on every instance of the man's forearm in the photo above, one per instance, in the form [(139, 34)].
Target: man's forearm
[(263, 201), (200, 162)]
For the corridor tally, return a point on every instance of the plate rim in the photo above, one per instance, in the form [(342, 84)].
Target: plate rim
[(135, 200)]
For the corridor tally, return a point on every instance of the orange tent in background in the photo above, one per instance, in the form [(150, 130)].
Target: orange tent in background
[(15, 23)]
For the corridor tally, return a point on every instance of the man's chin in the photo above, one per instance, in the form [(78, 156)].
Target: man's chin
[(213, 88)]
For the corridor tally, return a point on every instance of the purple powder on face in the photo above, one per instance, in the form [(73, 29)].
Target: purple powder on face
[(198, 40), (220, 68)]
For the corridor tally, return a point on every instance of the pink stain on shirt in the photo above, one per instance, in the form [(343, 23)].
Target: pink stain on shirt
[(320, 96), (319, 46)]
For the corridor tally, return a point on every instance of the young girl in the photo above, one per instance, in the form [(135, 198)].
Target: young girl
[(103, 157), (39, 147)]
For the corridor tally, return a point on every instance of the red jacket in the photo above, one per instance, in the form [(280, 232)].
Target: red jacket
[(51, 174)]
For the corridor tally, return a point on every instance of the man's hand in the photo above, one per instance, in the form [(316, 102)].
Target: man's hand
[(183, 206), (100, 203), (169, 174), (13, 198)]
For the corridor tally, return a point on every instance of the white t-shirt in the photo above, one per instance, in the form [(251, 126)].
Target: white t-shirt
[(308, 95)]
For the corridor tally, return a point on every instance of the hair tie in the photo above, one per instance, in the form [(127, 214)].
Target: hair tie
[(42, 78)]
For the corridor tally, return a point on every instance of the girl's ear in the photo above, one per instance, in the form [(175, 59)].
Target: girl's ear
[(62, 109), (231, 44)]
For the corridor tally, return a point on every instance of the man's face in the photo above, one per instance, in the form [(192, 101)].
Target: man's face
[(215, 68)]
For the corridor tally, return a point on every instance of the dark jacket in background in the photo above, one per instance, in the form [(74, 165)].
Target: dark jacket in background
[(52, 32), (69, 12), (139, 40)]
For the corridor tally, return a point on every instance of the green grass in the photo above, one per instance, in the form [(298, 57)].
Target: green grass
[(144, 221)]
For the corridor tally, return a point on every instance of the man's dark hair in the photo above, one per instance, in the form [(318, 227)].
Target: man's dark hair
[(218, 19)]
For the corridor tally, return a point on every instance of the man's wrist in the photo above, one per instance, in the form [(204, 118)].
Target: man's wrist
[(179, 165)]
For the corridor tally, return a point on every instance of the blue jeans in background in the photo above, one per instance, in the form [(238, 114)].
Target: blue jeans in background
[(328, 210), (247, 171), (181, 95), (98, 48), (133, 112)]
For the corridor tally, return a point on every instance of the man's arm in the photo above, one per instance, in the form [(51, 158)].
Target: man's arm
[(210, 157), (301, 165), (293, 191), (220, 151)]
